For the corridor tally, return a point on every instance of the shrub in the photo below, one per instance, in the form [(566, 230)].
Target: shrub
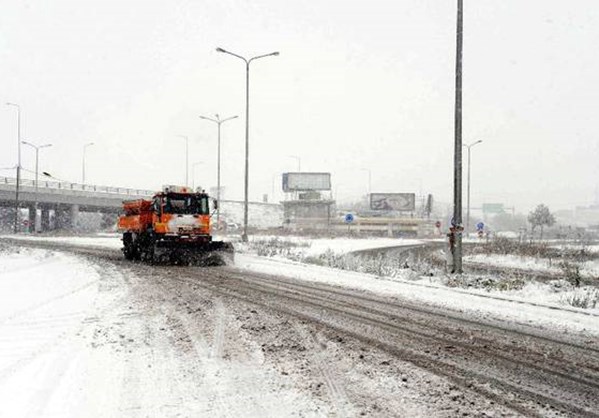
[(582, 298), (276, 246), (571, 272)]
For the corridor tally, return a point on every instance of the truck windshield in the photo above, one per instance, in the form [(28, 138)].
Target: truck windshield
[(186, 204)]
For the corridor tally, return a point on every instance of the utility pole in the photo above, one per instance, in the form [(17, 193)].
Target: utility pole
[(457, 228), (16, 226)]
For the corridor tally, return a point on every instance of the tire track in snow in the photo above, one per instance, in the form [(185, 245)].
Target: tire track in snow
[(487, 376), (216, 404), (50, 381), (68, 326), (219, 328), (336, 391), (46, 302)]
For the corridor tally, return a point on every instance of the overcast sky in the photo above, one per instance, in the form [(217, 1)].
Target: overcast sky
[(358, 85)]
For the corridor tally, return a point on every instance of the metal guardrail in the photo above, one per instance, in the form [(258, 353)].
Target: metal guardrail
[(59, 185)]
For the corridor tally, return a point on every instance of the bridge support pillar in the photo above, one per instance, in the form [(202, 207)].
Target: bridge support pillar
[(61, 217), (73, 215), (32, 218), (65, 217), (45, 221)]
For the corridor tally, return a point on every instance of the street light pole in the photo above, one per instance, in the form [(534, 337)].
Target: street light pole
[(219, 122), (89, 144), (369, 179), (468, 203), (16, 226), (456, 228), (299, 162), (244, 236), (37, 153), (186, 159)]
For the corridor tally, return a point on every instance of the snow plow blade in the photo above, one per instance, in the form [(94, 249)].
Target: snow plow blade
[(212, 253)]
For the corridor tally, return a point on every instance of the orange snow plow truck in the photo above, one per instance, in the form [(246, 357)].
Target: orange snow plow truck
[(172, 227)]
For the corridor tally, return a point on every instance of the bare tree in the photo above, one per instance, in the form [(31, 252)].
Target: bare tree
[(541, 217)]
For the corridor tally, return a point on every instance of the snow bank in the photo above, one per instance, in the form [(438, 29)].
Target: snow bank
[(44, 298)]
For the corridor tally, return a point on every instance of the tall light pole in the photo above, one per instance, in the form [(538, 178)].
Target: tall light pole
[(16, 226), (457, 228), (193, 174), (369, 179), (299, 162), (186, 159), (37, 160), (244, 236), (219, 122), (89, 144), (468, 203)]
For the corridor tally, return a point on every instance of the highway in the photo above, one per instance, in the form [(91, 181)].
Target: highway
[(355, 340)]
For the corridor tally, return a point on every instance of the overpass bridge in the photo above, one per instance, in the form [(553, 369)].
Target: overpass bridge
[(64, 199), (59, 203)]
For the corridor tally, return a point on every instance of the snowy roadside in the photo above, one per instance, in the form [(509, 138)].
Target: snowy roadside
[(299, 248), (588, 268), (480, 303), (534, 303), (45, 298)]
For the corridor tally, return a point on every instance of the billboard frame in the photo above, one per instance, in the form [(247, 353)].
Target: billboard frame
[(410, 205), (293, 188)]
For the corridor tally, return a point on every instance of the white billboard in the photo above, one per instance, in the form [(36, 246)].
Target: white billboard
[(405, 202), (293, 182)]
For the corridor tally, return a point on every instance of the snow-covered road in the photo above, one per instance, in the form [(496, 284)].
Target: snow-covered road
[(87, 334), (82, 339)]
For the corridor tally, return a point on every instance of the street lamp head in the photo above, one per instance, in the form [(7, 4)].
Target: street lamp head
[(220, 50), (45, 173), (276, 53)]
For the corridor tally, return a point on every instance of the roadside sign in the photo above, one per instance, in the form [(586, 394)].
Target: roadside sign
[(480, 226), (349, 218), (493, 208)]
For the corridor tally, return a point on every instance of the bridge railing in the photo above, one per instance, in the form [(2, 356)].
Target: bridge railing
[(66, 186)]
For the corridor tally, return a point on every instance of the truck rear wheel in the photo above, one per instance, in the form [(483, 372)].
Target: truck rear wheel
[(129, 247)]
